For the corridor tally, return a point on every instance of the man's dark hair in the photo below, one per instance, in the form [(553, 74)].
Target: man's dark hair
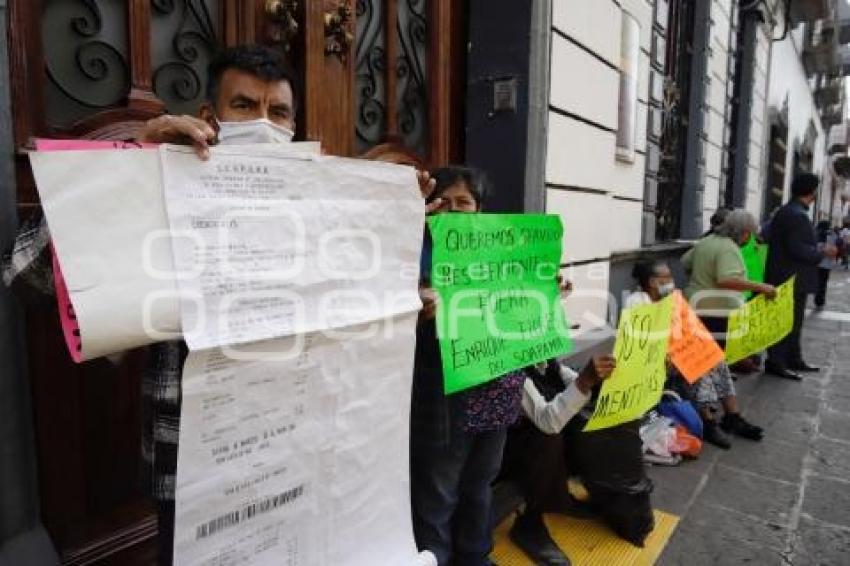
[(262, 62), (447, 176), (804, 184)]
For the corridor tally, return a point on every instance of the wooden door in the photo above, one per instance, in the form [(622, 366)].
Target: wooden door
[(98, 69)]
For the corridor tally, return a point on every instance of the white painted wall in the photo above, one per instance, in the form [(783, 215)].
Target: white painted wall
[(599, 198), (788, 81)]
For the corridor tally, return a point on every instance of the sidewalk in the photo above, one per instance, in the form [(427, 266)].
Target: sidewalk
[(785, 500)]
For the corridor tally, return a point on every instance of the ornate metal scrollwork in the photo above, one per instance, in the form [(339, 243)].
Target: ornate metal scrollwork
[(408, 72), (284, 26), (179, 79), (411, 69), (338, 30), (85, 60), (369, 74), (91, 24)]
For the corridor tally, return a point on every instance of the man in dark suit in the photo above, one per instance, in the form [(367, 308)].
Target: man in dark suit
[(794, 251)]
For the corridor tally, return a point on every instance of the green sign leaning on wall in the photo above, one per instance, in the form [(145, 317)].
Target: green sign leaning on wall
[(499, 303)]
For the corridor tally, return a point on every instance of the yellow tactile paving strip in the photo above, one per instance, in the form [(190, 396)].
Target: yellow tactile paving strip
[(588, 542)]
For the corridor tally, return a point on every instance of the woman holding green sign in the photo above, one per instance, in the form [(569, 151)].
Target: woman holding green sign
[(456, 441), (717, 273)]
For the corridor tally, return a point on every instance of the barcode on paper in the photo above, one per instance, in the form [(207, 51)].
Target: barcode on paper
[(247, 512)]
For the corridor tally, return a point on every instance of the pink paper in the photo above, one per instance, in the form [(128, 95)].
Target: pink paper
[(67, 318), (43, 144)]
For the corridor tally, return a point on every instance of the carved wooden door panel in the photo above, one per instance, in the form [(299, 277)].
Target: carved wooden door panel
[(381, 79), (385, 79)]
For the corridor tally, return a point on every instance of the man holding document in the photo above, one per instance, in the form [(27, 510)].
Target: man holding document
[(251, 99)]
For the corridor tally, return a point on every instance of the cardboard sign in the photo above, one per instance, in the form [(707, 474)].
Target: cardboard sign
[(760, 323), (638, 380), (692, 349), (499, 304), (755, 261)]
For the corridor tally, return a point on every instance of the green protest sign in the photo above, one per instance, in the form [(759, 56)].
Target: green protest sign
[(499, 304), (638, 380), (760, 323), (755, 261)]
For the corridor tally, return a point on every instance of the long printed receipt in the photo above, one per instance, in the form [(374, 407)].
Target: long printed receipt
[(296, 278)]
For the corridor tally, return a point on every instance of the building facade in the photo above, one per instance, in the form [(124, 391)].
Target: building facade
[(634, 120), (729, 101)]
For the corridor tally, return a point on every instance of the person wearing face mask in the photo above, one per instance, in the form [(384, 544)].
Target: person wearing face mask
[(251, 98), (794, 251), (655, 281), (456, 441)]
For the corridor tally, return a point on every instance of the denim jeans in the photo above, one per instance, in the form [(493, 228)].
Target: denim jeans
[(451, 494)]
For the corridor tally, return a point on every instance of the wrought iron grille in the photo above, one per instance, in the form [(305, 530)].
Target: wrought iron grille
[(404, 78), (185, 36), (411, 69), (671, 173), (85, 54), (370, 74)]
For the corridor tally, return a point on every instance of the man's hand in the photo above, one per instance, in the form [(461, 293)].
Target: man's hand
[(429, 303), (768, 291), (830, 251), (597, 370), (183, 130), (426, 187)]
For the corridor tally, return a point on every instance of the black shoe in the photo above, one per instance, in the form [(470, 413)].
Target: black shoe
[(529, 533), (803, 366), (712, 433), (782, 372), (734, 423)]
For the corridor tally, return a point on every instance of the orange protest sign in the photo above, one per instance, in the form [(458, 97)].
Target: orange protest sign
[(692, 349)]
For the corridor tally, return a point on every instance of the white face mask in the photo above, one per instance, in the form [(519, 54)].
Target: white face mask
[(253, 131), (666, 289)]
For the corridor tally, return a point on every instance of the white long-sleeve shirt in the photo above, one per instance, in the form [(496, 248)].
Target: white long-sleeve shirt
[(551, 417)]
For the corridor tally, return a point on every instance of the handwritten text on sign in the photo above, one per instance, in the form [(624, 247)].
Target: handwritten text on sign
[(638, 381), (693, 349), (499, 305), (760, 323)]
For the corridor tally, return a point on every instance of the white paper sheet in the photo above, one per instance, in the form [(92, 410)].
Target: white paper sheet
[(294, 429), (298, 462), (106, 214), (107, 219), (294, 460), (269, 244)]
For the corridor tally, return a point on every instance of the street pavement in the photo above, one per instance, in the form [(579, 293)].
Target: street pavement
[(785, 500)]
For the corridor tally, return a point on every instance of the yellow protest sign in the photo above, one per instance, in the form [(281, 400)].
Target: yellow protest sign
[(638, 381), (760, 323), (693, 350)]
